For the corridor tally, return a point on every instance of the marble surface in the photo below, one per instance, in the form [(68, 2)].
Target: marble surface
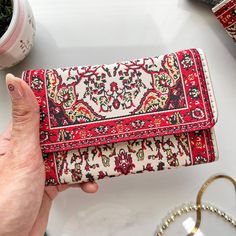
[(79, 32)]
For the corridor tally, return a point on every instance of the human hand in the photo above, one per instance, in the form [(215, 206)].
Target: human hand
[(24, 201)]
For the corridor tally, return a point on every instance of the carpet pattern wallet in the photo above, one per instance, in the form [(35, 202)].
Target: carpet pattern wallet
[(141, 115)]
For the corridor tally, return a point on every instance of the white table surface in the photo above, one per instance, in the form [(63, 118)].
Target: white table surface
[(79, 32)]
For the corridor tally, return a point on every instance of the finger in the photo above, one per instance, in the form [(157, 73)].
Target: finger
[(74, 185), (61, 188), (25, 112), (90, 187), (41, 222), (51, 191)]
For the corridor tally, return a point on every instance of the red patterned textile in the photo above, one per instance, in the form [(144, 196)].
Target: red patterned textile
[(141, 115), (226, 14)]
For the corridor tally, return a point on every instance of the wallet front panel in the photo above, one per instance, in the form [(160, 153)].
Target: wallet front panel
[(95, 105)]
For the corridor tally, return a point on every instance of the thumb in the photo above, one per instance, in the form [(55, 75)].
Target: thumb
[(25, 112)]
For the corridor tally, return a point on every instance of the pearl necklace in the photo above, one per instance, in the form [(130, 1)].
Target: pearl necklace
[(198, 207)]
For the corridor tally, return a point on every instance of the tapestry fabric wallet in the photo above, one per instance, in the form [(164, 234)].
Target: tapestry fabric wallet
[(226, 14), (141, 115)]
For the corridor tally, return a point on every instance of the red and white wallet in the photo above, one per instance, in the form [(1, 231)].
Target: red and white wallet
[(141, 115)]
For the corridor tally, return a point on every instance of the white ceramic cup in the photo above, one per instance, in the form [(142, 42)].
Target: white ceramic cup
[(18, 40)]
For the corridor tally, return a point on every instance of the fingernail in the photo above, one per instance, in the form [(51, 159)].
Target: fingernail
[(14, 87)]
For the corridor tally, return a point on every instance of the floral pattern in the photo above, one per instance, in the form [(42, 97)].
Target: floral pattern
[(113, 91), (198, 113), (123, 162), (163, 82), (66, 97), (187, 61), (37, 83), (194, 92)]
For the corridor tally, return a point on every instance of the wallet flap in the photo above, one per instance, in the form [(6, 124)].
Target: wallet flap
[(94, 105)]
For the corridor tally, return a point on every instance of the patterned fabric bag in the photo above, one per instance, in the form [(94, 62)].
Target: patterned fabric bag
[(141, 115), (226, 14)]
